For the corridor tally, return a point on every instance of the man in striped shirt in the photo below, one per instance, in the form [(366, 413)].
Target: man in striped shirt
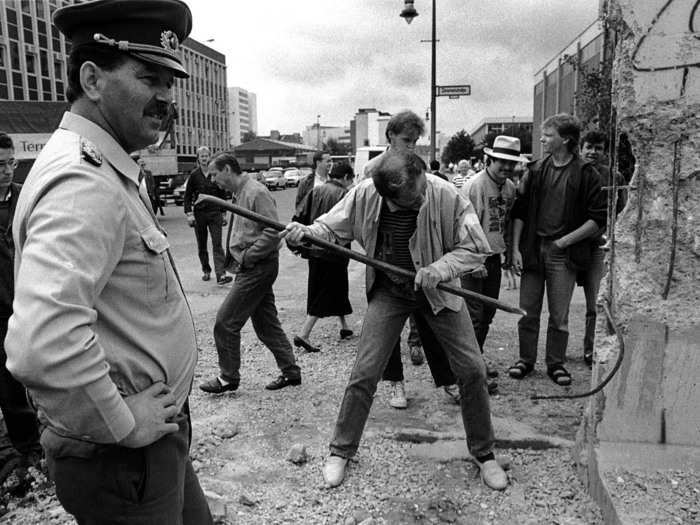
[(420, 223)]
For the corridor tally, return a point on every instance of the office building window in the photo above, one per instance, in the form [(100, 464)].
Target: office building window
[(33, 94), (58, 69), (59, 90), (26, 8), (31, 63), (18, 92), (14, 55), (3, 92), (44, 62)]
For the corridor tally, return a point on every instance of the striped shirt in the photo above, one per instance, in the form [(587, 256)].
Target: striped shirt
[(395, 230)]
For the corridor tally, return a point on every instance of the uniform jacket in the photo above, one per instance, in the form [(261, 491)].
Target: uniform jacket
[(584, 200), (448, 236), (99, 312)]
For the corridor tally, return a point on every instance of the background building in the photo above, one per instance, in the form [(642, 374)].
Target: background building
[(32, 51), (557, 82), (368, 128), (316, 135), (201, 102), (242, 113), (262, 153), (501, 125)]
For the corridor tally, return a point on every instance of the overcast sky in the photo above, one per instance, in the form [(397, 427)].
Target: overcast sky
[(330, 57)]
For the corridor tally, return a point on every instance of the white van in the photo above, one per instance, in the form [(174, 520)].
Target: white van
[(363, 155)]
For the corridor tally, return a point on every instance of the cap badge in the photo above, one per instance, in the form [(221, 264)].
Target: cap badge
[(169, 41), (90, 152)]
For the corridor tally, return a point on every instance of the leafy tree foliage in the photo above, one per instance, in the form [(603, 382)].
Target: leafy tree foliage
[(248, 136), (334, 147), (460, 146)]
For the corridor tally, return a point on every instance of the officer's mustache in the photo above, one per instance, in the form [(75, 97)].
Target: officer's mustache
[(157, 108)]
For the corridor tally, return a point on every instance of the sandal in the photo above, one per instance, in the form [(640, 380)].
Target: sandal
[(303, 343), (559, 375), (520, 369)]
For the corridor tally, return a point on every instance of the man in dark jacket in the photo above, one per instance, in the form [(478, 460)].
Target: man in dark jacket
[(20, 419), (322, 164), (559, 211), (205, 216)]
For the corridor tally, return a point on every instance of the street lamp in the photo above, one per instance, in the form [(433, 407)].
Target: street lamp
[(318, 132), (409, 13)]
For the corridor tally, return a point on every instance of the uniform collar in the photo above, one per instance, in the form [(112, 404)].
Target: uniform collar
[(104, 142)]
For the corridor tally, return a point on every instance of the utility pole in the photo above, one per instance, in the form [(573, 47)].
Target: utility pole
[(318, 132), (433, 105)]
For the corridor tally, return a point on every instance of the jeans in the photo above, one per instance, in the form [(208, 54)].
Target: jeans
[(210, 221), (386, 315), (251, 297), (481, 313), (591, 285), (114, 485), (394, 369), (20, 418), (559, 281)]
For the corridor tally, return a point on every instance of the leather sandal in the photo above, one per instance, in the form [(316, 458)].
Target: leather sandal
[(559, 375), (520, 369)]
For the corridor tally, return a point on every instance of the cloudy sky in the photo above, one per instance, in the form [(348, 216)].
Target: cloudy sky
[(329, 57)]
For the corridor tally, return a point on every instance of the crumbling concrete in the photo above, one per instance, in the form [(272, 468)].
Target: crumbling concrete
[(647, 420)]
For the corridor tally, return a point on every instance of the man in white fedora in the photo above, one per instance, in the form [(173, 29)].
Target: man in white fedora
[(492, 194)]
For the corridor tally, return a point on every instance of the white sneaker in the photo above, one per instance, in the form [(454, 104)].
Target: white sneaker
[(398, 395), (334, 470), (492, 474)]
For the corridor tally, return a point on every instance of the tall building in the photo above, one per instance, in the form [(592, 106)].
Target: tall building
[(32, 51), (242, 113), (201, 102), (368, 128), (557, 82)]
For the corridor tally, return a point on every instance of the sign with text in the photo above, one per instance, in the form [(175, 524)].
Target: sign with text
[(454, 91), (28, 145)]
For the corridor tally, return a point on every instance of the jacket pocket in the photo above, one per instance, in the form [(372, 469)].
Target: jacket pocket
[(155, 259)]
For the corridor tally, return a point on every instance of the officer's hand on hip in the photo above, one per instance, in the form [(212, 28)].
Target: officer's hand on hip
[(427, 278), (294, 233), (152, 409)]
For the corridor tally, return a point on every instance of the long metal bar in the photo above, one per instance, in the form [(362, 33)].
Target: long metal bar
[(351, 254), (433, 80)]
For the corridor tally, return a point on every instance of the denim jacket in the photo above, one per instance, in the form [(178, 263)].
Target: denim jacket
[(448, 235)]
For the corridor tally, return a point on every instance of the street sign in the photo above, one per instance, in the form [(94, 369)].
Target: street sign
[(454, 91)]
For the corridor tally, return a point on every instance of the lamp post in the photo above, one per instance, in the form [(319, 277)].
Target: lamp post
[(409, 13), (318, 132)]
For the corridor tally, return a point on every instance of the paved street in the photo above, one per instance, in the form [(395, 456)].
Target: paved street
[(412, 465)]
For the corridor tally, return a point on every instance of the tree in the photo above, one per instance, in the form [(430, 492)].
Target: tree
[(334, 147), (248, 136), (460, 146)]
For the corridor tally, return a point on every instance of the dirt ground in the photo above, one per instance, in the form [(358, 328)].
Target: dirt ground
[(241, 440)]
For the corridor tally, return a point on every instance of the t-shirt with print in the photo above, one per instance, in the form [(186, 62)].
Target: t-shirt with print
[(395, 230)]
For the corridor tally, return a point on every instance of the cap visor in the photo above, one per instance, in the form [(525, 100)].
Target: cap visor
[(166, 62)]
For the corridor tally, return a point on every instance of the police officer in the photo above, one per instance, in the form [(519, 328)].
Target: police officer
[(101, 334)]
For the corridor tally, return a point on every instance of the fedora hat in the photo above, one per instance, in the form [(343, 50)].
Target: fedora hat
[(506, 148)]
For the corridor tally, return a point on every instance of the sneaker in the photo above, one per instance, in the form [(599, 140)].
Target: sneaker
[(452, 392), (416, 353), (398, 395), (492, 387), (492, 474), (218, 386), (223, 279), (491, 372), (283, 381), (334, 470), (206, 276)]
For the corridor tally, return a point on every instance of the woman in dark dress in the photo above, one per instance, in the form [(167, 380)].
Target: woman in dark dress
[(327, 293)]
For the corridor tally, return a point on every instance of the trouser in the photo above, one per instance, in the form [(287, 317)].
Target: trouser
[(591, 285), (481, 313), (20, 418), (115, 485), (251, 297), (209, 221), (559, 281), (394, 369), (434, 355), (385, 318)]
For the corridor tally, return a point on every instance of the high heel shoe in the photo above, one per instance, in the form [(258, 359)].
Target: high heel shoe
[(345, 333), (303, 343)]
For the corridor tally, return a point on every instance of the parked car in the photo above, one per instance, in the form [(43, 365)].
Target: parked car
[(292, 176), (274, 179)]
